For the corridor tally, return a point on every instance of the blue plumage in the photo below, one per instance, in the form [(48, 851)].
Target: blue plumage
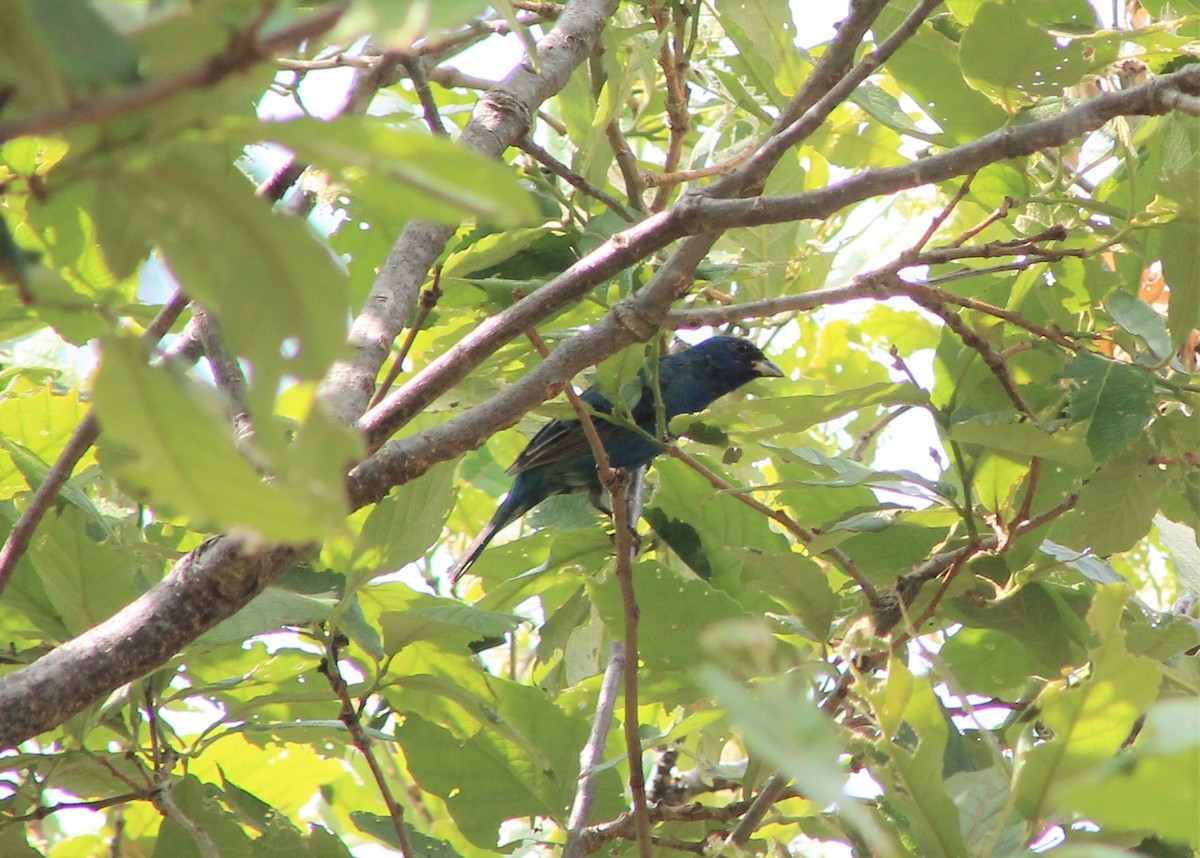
[(559, 460)]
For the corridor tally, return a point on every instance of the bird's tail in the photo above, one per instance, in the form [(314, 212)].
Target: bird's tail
[(472, 553), (510, 510)]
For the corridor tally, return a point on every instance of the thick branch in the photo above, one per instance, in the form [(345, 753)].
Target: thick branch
[(215, 581), (206, 586), (501, 118), (1151, 99), (697, 212)]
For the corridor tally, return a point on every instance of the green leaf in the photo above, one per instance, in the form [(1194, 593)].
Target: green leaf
[(444, 621), (1039, 616), (1027, 61), (271, 610), (984, 816), (1181, 269), (797, 413), (795, 581), (181, 452), (1116, 399), (914, 738), (785, 728), (1118, 504), (988, 661), (617, 376), (404, 174), (927, 69), (488, 777), (489, 251), (383, 829), (87, 581), (683, 610), (87, 50), (1010, 434), (1141, 320), (40, 421), (56, 51), (701, 522), (279, 294), (402, 526), (1089, 719)]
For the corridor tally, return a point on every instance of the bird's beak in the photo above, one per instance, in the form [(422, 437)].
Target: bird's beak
[(766, 369)]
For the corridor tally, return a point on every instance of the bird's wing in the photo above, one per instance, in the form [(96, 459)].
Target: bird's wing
[(561, 441)]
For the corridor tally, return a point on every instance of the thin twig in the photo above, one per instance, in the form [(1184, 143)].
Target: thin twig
[(864, 440), (622, 828), (652, 179), (771, 792), (843, 560), (627, 164), (429, 299), (1000, 213), (164, 800), (990, 357), (582, 413), (80, 442), (618, 484), (937, 222), (42, 811), (245, 49), (349, 716), (574, 179), (416, 73), (593, 752), (227, 373), (1022, 515), (674, 68)]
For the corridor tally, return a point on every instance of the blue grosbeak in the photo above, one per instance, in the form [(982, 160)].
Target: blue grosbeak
[(559, 459)]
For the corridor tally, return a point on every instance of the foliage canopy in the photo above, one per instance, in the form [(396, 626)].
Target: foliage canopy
[(932, 594)]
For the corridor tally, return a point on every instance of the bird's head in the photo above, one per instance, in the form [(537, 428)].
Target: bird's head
[(732, 361)]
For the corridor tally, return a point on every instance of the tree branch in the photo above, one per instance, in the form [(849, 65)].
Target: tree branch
[(350, 717), (216, 580), (245, 49), (81, 440), (593, 752), (500, 119)]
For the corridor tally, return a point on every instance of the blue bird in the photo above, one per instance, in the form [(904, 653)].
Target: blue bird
[(559, 460)]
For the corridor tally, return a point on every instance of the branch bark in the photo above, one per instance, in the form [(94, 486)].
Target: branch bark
[(218, 579), (500, 119)]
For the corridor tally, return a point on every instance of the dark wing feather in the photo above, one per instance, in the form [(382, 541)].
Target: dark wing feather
[(561, 441), (564, 440)]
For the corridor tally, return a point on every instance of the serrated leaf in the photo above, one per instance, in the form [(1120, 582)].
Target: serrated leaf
[(1028, 60), (788, 730), (1090, 719), (797, 413), (1012, 435), (271, 610), (383, 829), (403, 525), (1117, 505), (906, 705), (1117, 400), (443, 621)]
